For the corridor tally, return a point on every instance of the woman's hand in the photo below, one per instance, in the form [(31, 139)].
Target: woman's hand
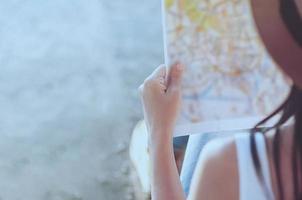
[(161, 98)]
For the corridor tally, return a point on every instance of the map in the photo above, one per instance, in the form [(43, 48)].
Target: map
[(230, 81)]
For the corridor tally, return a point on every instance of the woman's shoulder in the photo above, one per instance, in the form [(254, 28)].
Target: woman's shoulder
[(217, 170), (220, 148), (220, 155)]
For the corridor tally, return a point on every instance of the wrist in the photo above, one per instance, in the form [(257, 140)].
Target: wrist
[(160, 139), (158, 133)]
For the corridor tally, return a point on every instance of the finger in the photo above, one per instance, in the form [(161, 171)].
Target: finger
[(141, 89), (175, 79), (159, 72)]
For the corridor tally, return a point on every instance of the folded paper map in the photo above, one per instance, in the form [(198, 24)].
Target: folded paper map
[(230, 82)]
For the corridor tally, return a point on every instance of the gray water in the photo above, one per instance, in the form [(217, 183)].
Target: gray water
[(68, 95)]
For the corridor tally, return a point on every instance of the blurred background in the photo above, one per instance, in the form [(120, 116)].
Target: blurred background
[(68, 95)]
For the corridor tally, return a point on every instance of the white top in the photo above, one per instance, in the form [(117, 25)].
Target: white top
[(250, 186)]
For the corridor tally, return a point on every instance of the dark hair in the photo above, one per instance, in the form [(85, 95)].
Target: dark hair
[(291, 108)]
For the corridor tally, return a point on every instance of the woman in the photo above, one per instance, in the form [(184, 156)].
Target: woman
[(263, 164)]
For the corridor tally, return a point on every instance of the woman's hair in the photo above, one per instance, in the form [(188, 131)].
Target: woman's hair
[(291, 108)]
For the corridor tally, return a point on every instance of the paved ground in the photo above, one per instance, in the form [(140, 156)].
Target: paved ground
[(68, 78)]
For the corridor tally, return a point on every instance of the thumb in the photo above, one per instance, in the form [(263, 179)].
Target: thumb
[(175, 79)]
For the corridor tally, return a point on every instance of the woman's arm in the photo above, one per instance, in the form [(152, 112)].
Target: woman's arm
[(165, 178), (161, 102), (216, 174)]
